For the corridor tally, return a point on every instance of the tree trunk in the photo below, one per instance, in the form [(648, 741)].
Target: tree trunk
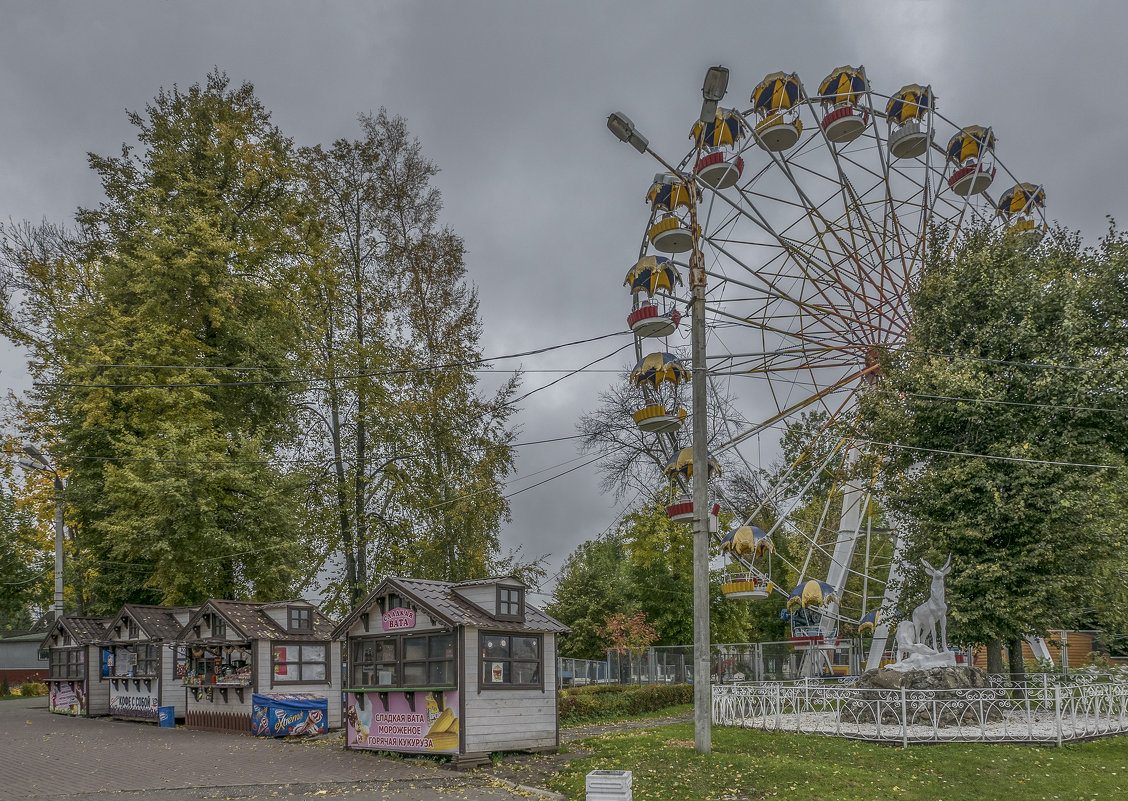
[(1017, 668), (347, 544), (361, 466), (995, 656)]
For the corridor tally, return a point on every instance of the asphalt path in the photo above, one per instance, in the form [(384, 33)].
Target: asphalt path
[(45, 756)]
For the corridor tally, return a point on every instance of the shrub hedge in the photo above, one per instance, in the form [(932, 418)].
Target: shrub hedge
[(31, 689), (608, 701)]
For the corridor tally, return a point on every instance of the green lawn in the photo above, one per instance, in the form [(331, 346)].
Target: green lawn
[(750, 765)]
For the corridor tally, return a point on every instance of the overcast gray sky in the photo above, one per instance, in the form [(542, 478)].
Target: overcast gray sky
[(510, 99)]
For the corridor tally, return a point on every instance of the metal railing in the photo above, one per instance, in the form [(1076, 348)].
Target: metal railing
[(578, 672), (1052, 709)]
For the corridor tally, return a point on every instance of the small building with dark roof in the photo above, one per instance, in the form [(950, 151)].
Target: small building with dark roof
[(243, 657), (146, 664), (76, 658), (21, 658), (459, 668)]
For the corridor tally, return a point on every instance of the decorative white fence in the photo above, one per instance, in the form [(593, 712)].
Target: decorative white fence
[(1043, 711)]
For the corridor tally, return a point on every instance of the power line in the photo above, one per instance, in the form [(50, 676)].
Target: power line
[(296, 460), (989, 456), (1055, 406), (341, 377)]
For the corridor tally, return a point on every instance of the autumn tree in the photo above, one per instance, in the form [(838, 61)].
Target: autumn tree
[(24, 566), (417, 453), (593, 585), (1007, 410), (157, 355)]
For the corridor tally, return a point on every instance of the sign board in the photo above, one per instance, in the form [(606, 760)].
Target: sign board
[(67, 697), (400, 618), (289, 714), (127, 701), (431, 727)]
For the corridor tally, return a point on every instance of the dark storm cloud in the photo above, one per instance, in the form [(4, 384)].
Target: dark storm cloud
[(510, 100)]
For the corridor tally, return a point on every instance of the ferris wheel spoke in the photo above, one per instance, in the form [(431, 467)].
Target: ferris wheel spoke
[(772, 292), (799, 256)]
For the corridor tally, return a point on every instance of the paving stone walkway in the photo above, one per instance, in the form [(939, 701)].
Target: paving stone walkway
[(55, 756)]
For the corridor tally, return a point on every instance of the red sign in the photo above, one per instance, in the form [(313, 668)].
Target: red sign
[(401, 618)]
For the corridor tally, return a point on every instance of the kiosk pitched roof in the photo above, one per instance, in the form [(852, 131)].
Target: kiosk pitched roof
[(250, 620), (159, 622), (440, 599)]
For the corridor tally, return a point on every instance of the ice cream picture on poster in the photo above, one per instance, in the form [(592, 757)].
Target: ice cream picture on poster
[(394, 723)]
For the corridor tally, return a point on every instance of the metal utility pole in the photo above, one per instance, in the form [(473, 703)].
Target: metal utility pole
[(702, 670), (39, 462), (713, 90)]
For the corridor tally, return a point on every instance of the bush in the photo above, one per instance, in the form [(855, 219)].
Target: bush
[(595, 689), (31, 689), (5, 689), (609, 701)]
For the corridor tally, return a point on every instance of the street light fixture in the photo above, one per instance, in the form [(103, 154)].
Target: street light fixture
[(713, 91), (620, 125), (39, 462), (716, 83)]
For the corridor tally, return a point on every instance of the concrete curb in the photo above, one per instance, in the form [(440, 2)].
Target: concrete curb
[(527, 789)]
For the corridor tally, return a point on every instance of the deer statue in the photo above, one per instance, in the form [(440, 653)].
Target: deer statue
[(933, 613)]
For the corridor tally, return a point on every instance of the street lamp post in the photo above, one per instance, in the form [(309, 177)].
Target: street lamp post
[(38, 461), (716, 82)]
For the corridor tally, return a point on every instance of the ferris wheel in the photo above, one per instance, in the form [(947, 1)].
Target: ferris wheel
[(815, 211)]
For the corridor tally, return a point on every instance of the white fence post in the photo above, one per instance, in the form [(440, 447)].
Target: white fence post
[(904, 720), (1057, 711)]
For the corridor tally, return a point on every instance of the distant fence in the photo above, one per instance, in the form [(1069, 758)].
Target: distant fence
[(1051, 709), (578, 672), (730, 663)]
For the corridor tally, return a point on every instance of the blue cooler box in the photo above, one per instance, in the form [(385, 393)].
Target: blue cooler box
[(166, 716)]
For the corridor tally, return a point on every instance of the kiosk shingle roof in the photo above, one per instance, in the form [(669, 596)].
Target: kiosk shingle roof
[(440, 598), (85, 630), (252, 622), (158, 621)]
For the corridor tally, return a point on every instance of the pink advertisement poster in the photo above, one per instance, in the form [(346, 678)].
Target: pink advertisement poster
[(431, 727), (67, 697)]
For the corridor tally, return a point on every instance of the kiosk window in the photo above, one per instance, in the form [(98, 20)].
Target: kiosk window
[(510, 660), (135, 660), (300, 619), (300, 662), (67, 663), (511, 603), (404, 661)]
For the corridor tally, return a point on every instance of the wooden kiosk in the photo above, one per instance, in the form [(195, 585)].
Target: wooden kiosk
[(460, 668), (243, 656), (147, 666), (76, 666)]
